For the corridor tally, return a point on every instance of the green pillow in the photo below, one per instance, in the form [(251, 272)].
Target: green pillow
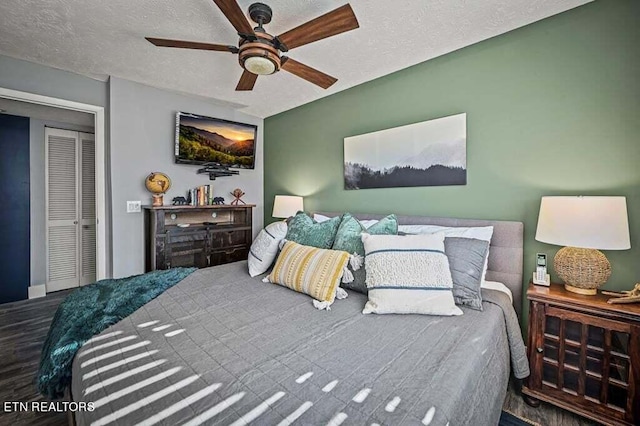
[(349, 239), (306, 231)]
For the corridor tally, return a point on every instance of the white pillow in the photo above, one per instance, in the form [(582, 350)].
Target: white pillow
[(408, 275), (320, 218), (495, 285), (483, 233), (265, 247), (366, 223)]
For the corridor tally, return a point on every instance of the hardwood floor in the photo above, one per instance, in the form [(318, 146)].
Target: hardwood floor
[(24, 326), (545, 415)]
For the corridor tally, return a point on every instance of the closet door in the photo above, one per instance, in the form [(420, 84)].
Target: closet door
[(62, 209), (87, 217)]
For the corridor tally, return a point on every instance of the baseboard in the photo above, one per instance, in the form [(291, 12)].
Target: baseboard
[(36, 291)]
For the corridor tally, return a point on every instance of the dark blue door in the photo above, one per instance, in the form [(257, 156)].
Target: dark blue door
[(14, 210)]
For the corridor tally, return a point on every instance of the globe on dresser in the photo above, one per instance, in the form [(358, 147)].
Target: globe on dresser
[(157, 184)]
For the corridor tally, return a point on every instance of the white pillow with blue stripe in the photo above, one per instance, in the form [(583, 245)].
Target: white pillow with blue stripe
[(408, 275), (264, 248), (483, 233)]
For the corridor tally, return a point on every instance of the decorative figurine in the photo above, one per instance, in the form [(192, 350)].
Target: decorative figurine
[(630, 296), (179, 201), (237, 193), (218, 200)]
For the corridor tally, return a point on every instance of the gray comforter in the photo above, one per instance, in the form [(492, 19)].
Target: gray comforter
[(223, 348)]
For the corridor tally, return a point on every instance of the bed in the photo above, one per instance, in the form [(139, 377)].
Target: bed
[(223, 348)]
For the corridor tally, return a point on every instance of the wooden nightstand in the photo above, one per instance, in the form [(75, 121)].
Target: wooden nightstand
[(584, 355)]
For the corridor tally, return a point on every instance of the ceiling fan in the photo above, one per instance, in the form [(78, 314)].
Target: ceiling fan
[(259, 52)]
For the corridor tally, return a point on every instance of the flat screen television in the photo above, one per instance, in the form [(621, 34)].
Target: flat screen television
[(206, 140)]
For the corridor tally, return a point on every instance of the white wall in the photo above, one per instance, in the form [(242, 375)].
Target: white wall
[(142, 132), (37, 198)]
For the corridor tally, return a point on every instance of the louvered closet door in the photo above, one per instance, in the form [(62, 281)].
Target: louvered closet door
[(62, 209), (87, 195)]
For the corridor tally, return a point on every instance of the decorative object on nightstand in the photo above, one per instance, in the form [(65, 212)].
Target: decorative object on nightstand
[(540, 276), (157, 184), (285, 206), (584, 355), (237, 193), (630, 296), (583, 225)]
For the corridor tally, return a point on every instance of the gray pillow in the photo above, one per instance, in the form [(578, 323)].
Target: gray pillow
[(466, 262)]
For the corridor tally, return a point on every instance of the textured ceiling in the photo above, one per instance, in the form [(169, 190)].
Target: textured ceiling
[(98, 38)]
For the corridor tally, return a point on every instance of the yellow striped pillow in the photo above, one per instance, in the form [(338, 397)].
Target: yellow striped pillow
[(310, 270)]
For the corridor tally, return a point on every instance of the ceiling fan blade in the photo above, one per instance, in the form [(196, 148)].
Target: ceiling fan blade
[(335, 22), (163, 42), (306, 72), (234, 14), (247, 81)]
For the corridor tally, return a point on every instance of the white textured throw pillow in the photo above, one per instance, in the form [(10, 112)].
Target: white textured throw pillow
[(483, 233), (265, 248), (408, 275)]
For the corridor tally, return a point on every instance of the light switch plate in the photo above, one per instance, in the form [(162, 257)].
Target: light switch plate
[(134, 206)]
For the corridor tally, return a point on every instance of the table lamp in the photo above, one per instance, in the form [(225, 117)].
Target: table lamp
[(285, 206), (584, 225)]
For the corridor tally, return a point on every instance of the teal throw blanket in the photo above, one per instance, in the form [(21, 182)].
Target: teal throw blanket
[(90, 310)]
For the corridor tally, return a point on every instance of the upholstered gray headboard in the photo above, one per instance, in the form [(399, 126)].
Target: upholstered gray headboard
[(505, 252)]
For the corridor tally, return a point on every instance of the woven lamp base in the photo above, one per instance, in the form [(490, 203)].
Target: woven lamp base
[(582, 270)]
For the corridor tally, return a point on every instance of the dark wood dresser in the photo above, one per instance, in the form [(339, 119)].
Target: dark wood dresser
[(214, 235), (584, 354)]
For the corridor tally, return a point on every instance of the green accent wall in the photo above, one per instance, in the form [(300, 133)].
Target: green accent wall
[(553, 108)]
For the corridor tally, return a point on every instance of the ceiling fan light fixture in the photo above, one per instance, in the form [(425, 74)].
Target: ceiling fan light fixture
[(259, 53), (259, 65)]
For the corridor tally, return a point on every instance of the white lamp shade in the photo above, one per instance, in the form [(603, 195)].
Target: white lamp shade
[(286, 206), (584, 222)]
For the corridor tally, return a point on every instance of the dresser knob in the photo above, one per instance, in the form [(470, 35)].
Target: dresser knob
[(540, 350)]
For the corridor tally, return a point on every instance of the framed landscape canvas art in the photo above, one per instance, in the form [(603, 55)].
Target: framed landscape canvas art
[(431, 153), (205, 140)]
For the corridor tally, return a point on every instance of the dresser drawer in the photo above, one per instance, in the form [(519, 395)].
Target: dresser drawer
[(220, 257), (225, 239)]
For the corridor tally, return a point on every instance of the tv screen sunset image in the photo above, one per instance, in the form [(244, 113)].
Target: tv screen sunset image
[(209, 140)]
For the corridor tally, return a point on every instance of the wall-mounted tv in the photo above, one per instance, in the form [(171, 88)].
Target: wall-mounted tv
[(204, 140)]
